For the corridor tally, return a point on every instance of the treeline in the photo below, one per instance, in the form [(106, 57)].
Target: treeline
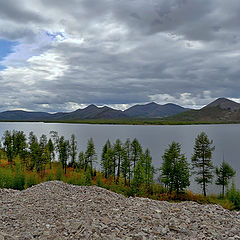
[(124, 165), (119, 160)]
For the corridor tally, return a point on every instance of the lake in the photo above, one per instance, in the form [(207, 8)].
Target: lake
[(226, 139)]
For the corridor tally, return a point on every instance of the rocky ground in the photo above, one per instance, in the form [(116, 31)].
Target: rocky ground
[(56, 210)]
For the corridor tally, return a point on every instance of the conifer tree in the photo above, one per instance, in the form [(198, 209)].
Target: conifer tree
[(224, 173), (81, 160), (201, 160), (73, 150), (118, 155), (8, 145), (126, 162), (63, 149), (105, 163), (175, 169), (110, 158), (50, 147), (35, 152), (136, 152), (139, 178), (90, 155), (149, 169)]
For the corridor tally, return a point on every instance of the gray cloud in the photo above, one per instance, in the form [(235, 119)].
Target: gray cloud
[(119, 53)]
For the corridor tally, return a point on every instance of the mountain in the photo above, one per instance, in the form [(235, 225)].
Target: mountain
[(19, 115), (220, 110), (154, 110), (90, 112), (225, 104)]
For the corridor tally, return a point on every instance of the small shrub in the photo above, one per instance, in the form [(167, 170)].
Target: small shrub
[(30, 180), (59, 172), (233, 195), (6, 178), (19, 178), (88, 178)]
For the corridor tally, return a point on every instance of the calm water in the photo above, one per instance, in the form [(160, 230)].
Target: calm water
[(226, 139)]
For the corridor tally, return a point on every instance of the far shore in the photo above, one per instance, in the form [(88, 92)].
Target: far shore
[(130, 122)]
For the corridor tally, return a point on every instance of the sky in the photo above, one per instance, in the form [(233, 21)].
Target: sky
[(58, 55)]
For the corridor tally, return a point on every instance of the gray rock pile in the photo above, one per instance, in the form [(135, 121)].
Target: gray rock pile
[(56, 210)]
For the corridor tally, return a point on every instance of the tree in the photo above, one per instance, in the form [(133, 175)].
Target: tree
[(63, 149), (105, 163), (149, 169), (201, 160), (81, 160), (224, 173), (90, 155), (73, 150), (138, 178), (8, 145), (50, 147), (19, 144), (126, 162), (175, 169), (136, 152), (35, 152), (110, 158), (118, 155)]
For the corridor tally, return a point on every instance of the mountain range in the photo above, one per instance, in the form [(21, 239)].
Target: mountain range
[(220, 110), (150, 110)]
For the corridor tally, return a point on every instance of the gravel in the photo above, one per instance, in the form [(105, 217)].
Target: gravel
[(56, 210)]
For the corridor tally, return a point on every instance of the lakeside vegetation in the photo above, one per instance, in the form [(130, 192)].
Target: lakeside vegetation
[(125, 167), (139, 121), (142, 122)]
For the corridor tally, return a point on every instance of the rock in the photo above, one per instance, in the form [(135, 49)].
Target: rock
[(56, 210)]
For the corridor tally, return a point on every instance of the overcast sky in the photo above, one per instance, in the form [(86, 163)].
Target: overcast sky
[(58, 55)]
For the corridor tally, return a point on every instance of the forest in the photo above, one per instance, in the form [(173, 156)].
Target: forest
[(126, 167)]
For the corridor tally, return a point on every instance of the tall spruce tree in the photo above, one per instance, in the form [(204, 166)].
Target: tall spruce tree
[(202, 160), (175, 169)]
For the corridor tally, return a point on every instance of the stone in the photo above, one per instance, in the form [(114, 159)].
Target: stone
[(56, 210)]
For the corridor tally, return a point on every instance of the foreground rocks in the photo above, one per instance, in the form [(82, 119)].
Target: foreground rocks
[(56, 210)]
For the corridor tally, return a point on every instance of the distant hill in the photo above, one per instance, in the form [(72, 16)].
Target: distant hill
[(150, 110), (220, 110), (19, 115), (225, 104), (154, 110), (90, 112)]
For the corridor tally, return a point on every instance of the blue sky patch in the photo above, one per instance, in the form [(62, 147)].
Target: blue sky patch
[(56, 35), (6, 47)]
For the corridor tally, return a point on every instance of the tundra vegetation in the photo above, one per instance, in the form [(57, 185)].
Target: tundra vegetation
[(126, 167)]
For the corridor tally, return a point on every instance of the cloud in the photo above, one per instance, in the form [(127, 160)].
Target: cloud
[(118, 53)]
